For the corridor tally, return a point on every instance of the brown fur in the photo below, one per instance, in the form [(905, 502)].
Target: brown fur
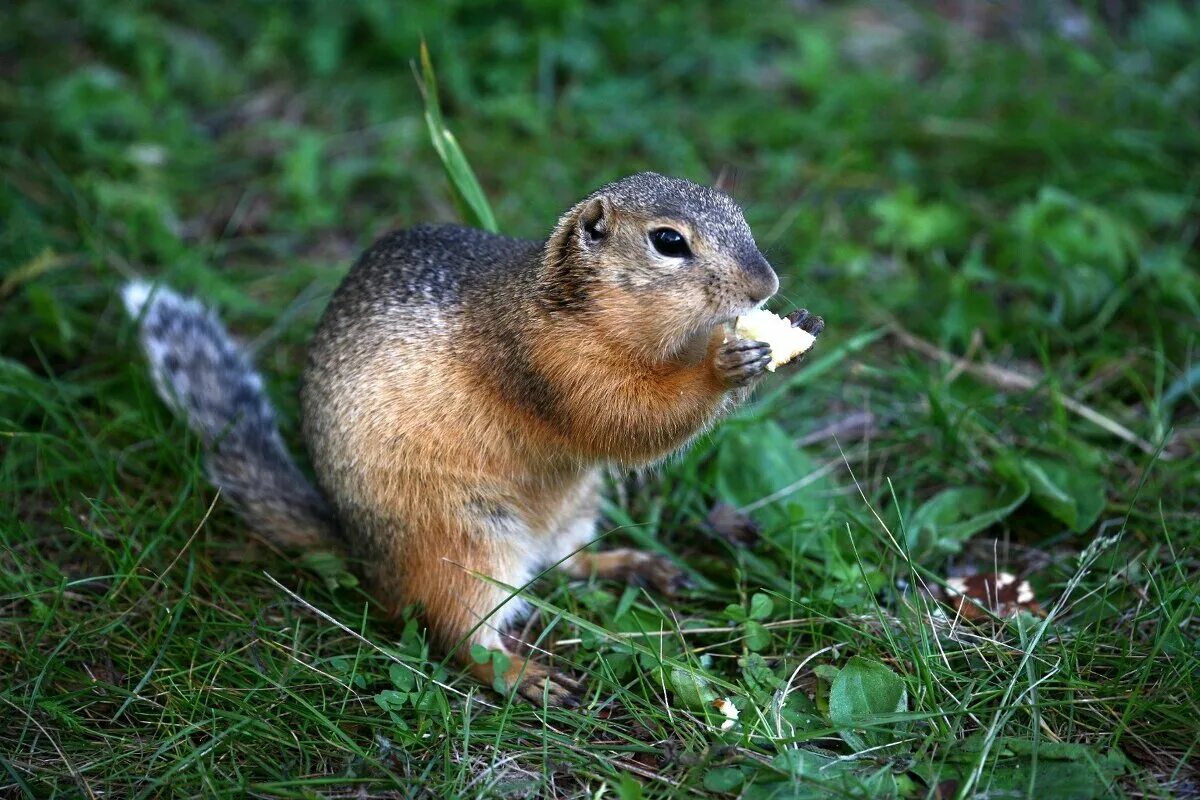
[(465, 390)]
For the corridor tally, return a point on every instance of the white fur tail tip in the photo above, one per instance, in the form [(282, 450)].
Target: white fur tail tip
[(135, 294)]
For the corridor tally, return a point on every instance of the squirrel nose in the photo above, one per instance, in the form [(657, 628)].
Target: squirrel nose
[(761, 279)]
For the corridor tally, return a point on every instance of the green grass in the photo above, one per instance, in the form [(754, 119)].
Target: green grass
[(1012, 196)]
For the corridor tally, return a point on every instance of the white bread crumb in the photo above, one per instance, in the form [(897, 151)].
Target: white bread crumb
[(786, 342)]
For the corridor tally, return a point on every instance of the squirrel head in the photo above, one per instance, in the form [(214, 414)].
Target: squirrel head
[(654, 261)]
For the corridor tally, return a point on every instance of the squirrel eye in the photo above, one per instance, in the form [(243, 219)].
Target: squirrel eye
[(670, 242)]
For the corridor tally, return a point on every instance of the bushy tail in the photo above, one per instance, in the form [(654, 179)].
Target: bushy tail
[(202, 374)]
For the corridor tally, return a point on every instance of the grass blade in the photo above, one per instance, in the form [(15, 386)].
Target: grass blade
[(469, 198)]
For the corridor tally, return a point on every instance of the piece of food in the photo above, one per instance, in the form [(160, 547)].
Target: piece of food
[(786, 342), (728, 710)]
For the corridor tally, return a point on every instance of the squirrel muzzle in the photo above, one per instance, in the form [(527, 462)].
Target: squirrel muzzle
[(760, 280)]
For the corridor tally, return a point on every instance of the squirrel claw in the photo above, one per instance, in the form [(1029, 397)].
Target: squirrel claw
[(740, 361), (661, 574), (552, 688), (566, 680), (806, 322)]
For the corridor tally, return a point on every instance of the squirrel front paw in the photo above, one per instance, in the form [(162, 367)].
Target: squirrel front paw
[(740, 361), (800, 318)]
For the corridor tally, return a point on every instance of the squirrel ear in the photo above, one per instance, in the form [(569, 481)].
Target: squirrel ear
[(727, 180), (595, 220), (565, 277)]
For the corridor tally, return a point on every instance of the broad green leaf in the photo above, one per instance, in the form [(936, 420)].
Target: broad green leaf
[(1074, 495), (757, 461), (691, 689), (759, 679), (723, 779), (862, 692), (1161, 208), (817, 775), (1076, 253), (402, 677), (907, 223), (789, 790), (799, 762), (480, 654), (757, 637), (761, 606), (954, 515), (1064, 780), (391, 700)]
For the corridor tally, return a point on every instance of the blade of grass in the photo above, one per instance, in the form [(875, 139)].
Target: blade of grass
[(468, 194)]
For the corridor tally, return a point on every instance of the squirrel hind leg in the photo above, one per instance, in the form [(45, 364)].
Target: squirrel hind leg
[(627, 564), (637, 567), (526, 678), (454, 572)]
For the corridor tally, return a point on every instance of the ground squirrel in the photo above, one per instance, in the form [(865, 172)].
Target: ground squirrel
[(464, 391)]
